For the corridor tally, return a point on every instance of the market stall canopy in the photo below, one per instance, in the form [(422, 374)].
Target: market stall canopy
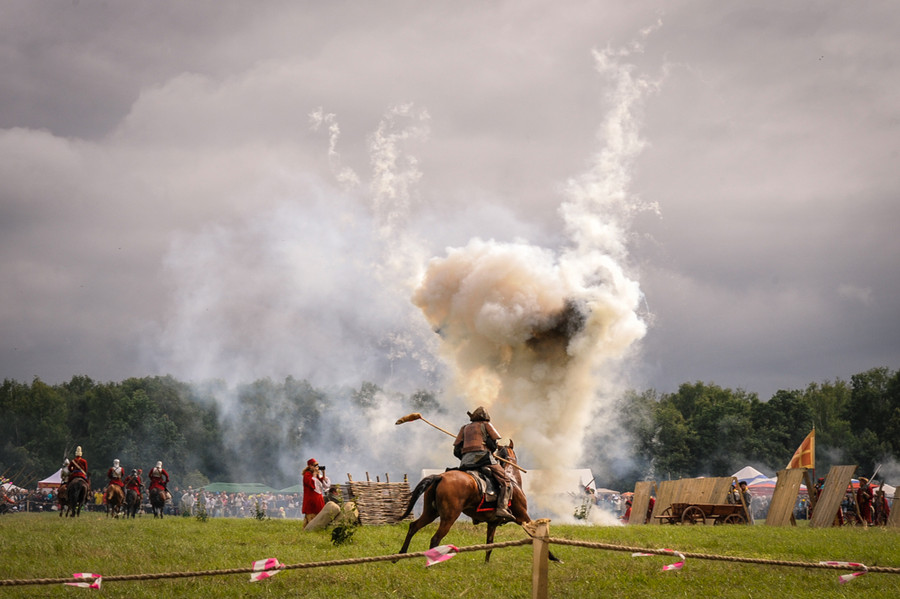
[(51, 482)]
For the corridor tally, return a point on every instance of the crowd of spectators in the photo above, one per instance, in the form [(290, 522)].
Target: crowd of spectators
[(190, 502)]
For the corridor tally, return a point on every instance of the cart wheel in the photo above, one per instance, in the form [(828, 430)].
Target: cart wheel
[(693, 515), (733, 519), (667, 513)]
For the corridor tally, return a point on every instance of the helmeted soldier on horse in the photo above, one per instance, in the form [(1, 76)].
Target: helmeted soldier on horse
[(116, 476), (475, 446), (77, 466)]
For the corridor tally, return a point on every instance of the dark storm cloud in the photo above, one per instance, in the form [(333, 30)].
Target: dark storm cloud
[(136, 137)]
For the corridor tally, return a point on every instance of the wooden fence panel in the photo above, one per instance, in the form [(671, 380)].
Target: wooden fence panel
[(640, 501), (781, 508), (829, 501)]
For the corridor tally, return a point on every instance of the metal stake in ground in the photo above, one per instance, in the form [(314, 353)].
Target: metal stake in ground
[(417, 416)]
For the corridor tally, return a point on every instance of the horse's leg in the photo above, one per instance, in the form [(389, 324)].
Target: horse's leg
[(491, 529), (427, 517), (424, 520), (449, 509)]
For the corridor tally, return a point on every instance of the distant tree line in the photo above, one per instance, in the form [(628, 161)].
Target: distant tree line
[(705, 430), (198, 434), (699, 430)]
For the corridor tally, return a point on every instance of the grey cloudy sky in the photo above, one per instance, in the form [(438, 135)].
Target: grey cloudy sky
[(248, 189)]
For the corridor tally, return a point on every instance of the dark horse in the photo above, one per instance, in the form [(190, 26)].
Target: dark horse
[(132, 503), (76, 494), (115, 497), (158, 501), (455, 492)]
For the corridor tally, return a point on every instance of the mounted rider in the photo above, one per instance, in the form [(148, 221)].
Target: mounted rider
[(133, 482), (474, 446), (159, 478), (116, 476), (77, 466)]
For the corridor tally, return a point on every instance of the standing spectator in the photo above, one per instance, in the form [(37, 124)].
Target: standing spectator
[(748, 499), (187, 502), (650, 505), (313, 501), (882, 508), (627, 515), (324, 483)]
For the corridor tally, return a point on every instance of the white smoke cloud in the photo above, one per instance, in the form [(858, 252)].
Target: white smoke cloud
[(540, 336)]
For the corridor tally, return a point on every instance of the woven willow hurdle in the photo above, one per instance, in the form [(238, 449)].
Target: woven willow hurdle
[(379, 502)]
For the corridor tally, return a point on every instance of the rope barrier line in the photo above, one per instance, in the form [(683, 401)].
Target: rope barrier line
[(250, 569), (482, 547), (722, 558)]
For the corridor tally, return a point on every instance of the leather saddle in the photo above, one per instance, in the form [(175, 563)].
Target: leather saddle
[(487, 487)]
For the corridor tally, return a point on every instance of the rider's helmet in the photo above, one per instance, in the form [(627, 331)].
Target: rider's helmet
[(480, 414)]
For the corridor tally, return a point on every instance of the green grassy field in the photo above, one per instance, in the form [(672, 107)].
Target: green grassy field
[(43, 545)]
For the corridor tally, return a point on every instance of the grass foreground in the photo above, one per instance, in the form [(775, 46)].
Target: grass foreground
[(42, 546)]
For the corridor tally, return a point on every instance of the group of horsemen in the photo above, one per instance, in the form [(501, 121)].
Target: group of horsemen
[(77, 467)]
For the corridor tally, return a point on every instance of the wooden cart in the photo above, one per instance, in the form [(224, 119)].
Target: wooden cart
[(701, 513)]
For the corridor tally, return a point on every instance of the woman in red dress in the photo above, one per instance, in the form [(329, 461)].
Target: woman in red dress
[(313, 501)]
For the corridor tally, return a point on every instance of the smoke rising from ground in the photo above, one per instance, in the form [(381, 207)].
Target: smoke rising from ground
[(539, 336)]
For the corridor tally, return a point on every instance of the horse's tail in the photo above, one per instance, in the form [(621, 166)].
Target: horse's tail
[(417, 492)]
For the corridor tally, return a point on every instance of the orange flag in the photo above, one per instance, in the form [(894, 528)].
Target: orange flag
[(805, 456)]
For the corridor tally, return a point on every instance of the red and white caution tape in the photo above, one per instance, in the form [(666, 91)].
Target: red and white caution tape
[(440, 553), (83, 578), (845, 578), (265, 568), (675, 566)]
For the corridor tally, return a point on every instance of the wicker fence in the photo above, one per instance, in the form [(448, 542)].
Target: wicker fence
[(378, 502)]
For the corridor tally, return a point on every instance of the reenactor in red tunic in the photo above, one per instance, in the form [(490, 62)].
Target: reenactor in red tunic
[(116, 476), (159, 478), (77, 466), (133, 482), (864, 500)]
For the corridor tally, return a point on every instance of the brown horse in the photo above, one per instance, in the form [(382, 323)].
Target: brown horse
[(158, 499), (455, 492), (115, 497), (62, 499)]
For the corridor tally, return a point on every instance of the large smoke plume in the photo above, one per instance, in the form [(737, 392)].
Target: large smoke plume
[(539, 336), (318, 287)]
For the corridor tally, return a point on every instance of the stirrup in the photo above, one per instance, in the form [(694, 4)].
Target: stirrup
[(504, 515)]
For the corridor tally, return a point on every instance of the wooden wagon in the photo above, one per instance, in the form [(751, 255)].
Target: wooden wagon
[(701, 513)]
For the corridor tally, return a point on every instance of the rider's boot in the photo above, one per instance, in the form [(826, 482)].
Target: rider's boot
[(502, 513)]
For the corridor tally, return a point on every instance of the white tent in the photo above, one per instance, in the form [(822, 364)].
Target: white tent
[(749, 473), (11, 488), (52, 481)]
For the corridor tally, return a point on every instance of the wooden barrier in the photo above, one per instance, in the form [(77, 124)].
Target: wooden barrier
[(832, 495), (781, 508), (640, 502)]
